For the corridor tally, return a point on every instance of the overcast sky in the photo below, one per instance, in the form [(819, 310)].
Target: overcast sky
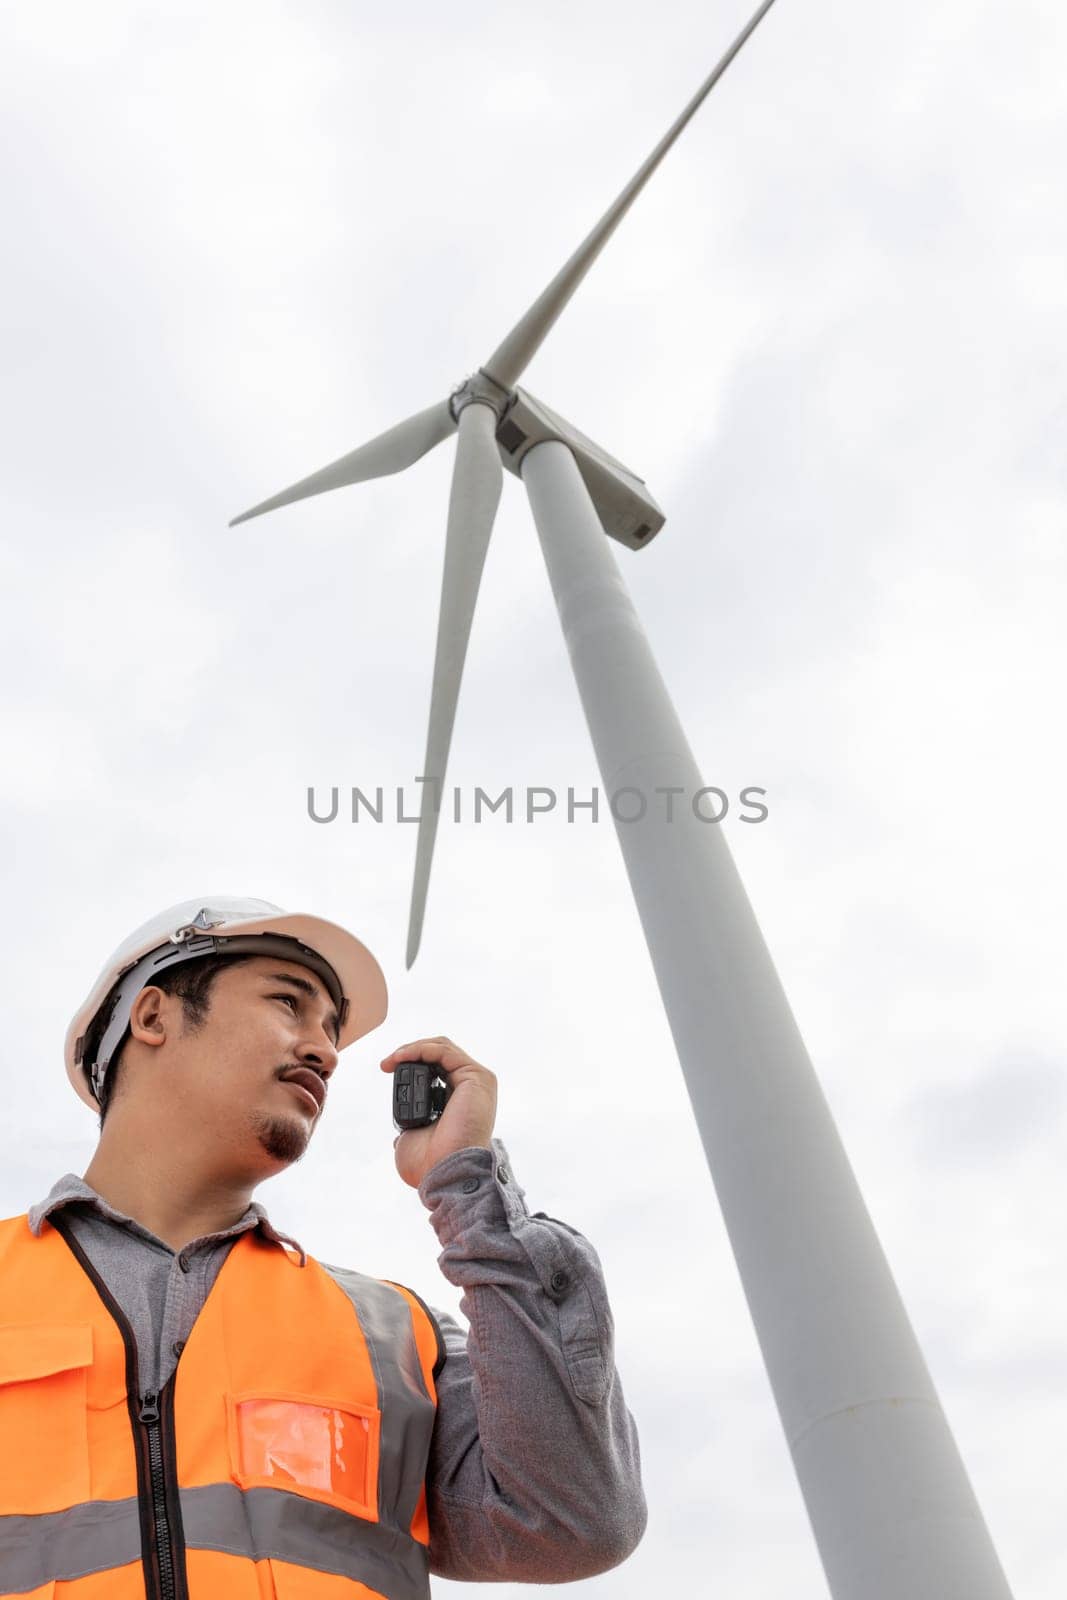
[(241, 238)]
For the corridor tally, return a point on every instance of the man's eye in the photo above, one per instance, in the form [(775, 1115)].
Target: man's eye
[(290, 999)]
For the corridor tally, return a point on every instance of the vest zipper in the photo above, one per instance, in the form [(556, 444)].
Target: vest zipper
[(149, 1416), (152, 1423)]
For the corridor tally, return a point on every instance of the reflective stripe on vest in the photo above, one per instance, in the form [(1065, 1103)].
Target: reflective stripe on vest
[(290, 1452)]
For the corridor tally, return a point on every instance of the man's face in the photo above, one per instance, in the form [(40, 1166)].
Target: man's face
[(267, 1020)]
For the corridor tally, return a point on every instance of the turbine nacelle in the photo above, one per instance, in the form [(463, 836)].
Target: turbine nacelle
[(626, 510)]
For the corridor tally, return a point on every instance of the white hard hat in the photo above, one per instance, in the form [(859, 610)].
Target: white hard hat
[(224, 925)]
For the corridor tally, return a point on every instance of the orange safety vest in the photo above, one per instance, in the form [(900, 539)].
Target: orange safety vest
[(284, 1459)]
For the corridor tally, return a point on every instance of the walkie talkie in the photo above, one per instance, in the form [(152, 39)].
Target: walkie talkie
[(420, 1092)]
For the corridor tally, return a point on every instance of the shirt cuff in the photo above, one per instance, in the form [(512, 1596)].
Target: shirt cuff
[(475, 1184)]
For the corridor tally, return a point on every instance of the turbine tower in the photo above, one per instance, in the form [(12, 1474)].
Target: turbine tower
[(891, 1506)]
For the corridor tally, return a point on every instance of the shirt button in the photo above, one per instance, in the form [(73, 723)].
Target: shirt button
[(183, 1262), (559, 1281), (503, 1174), (178, 1346), (470, 1184)]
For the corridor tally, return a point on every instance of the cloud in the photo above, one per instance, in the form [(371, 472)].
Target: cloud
[(1014, 1102)]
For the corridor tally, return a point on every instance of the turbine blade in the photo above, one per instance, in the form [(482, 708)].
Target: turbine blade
[(391, 451), (511, 358), (475, 496)]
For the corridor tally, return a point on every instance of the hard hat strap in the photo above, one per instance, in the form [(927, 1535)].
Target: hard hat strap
[(194, 947)]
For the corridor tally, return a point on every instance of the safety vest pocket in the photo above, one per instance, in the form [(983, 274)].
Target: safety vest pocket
[(44, 1442), (325, 1449)]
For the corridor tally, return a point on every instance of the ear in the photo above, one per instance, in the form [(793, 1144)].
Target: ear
[(151, 1016)]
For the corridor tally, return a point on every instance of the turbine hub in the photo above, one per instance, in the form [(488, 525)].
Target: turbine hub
[(485, 390)]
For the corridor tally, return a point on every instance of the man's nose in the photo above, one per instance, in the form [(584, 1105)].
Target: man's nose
[(317, 1049)]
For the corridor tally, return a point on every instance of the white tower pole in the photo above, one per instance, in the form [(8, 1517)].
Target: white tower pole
[(891, 1506)]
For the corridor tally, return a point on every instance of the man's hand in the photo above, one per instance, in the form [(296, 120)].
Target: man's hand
[(468, 1116)]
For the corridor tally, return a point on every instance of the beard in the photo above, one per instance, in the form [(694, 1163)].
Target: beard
[(283, 1138)]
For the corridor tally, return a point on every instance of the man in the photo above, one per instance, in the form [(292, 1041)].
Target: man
[(192, 1408)]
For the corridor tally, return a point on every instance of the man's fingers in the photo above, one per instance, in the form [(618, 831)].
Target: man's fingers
[(432, 1051)]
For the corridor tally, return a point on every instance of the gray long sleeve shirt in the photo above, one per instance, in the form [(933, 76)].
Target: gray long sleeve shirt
[(534, 1468)]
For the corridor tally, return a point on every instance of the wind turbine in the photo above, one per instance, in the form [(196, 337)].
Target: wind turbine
[(890, 1503)]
